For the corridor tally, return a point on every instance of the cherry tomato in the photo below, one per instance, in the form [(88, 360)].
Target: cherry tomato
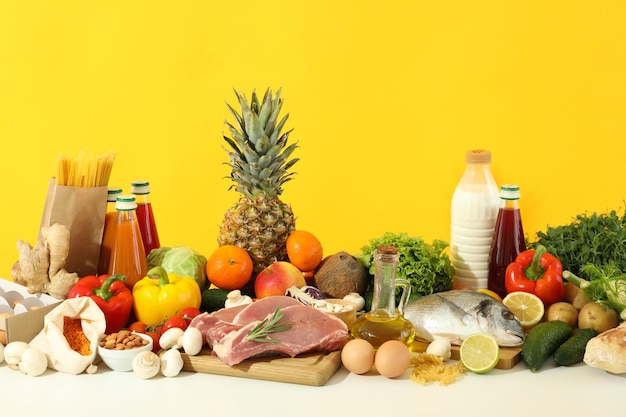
[(138, 327), (176, 321), (153, 331), (189, 313)]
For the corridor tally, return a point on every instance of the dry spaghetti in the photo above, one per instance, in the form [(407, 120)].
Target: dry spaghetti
[(85, 170)]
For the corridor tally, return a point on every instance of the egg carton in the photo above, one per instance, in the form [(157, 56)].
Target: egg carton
[(21, 313)]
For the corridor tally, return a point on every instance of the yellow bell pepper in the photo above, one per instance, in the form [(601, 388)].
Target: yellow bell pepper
[(159, 296)]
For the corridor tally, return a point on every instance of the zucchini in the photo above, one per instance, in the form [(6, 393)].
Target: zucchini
[(573, 350), (542, 340)]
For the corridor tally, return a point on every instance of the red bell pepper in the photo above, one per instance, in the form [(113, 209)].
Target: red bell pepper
[(538, 272), (110, 294)]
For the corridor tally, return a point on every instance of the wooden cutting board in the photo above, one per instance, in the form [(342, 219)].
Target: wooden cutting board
[(308, 369), (509, 356)]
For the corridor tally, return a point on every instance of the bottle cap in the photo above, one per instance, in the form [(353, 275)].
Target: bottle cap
[(125, 202), (478, 156), (112, 194), (509, 192), (140, 187)]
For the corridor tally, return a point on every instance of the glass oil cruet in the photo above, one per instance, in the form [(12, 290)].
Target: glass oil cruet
[(385, 321)]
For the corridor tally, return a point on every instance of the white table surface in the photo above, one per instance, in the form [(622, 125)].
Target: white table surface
[(564, 391)]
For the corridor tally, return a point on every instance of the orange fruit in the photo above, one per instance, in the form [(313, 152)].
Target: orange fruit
[(229, 267), (304, 250)]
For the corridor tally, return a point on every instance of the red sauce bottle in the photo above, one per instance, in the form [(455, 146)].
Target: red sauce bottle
[(508, 238), (145, 215)]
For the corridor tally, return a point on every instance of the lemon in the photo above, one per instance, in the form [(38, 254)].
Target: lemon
[(491, 293), (527, 307), (479, 353)]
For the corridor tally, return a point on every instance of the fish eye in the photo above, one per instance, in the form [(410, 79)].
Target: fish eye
[(508, 315)]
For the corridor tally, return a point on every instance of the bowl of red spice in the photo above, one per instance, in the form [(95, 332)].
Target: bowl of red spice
[(118, 349)]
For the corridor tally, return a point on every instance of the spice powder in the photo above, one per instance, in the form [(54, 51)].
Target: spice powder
[(75, 336)]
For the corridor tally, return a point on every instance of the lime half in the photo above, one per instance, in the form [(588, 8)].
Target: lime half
[(479, 353)]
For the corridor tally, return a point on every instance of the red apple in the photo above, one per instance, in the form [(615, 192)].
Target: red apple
[(276, 278)]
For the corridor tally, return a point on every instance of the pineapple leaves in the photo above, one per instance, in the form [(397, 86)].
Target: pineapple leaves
[(260, 155)]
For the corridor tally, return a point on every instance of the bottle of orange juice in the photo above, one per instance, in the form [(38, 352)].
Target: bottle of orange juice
[(128, 256), (108, 235)]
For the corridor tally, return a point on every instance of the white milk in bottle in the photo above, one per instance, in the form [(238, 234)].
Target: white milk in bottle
[(473, 215)]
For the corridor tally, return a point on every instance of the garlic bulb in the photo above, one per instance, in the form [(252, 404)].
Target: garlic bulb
[(146, 364)]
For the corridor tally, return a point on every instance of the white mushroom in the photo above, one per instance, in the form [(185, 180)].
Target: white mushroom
[(146, 364), (235, 298), (172, 338), (192, 341), (13, 353), (34, 362), (357, 299), (441, 347), (171, 363)]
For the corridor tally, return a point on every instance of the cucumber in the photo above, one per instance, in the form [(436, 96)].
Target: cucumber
[(542, 340), (573, 350)]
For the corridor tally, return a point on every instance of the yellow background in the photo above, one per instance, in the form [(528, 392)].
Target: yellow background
[(384, 97)]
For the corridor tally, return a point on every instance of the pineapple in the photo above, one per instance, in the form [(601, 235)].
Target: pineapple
[(259, 160)]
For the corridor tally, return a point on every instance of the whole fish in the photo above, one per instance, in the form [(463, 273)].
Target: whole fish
[(456, 314)]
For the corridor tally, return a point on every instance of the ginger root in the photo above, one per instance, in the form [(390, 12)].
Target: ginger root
[(41, 268)]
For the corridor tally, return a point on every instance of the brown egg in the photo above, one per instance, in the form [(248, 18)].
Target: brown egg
[(392, 358), (3, 333), (357, 356)]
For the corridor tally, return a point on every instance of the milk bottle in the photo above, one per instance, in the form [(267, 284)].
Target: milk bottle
[(473, 214)]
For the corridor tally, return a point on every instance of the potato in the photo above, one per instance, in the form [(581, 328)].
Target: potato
[(575, 296), (596, 316), (563, 311)]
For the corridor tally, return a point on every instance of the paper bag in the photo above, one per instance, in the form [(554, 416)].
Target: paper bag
[(51, 341), (82, 210)]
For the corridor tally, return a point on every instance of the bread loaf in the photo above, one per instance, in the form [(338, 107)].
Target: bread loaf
[(607, 350)]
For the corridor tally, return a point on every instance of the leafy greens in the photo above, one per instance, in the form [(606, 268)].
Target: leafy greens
[(596, 238), (426, 266)]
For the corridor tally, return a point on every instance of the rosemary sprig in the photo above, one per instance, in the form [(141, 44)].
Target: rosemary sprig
[(270, 325)]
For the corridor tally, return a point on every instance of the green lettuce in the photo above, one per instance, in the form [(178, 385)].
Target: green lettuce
[(427, 267)]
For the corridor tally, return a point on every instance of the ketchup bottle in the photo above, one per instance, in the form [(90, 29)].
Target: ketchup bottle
[(508, 238), (145, 215)]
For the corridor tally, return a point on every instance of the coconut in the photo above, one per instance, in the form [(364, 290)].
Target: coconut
[(341, 274)]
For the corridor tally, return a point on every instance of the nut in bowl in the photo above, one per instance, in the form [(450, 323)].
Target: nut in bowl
[(342, 309), (119, 356)]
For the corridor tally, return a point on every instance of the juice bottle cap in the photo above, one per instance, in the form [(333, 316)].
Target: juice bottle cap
[(125, 202), (112, 194), (509, 192), (478, 156), (140, 187)]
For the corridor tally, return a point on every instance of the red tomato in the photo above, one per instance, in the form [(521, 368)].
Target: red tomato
[(138, 327), (189, 313), (153, 331), (176, 321)]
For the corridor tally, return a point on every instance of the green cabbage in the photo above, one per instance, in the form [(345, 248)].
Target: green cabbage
[(182, 261)]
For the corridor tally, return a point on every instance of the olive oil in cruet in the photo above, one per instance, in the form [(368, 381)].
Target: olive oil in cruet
[(385, 321)]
